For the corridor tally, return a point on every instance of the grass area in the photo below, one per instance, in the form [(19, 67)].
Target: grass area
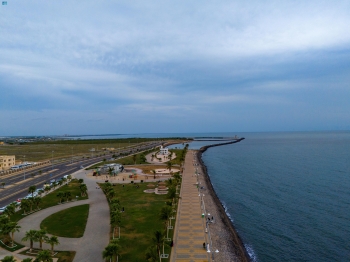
[(177, 160), (139, 221), (63, 256), (128, 160), (18, 246), (51, 199), (70, 222), (37, 151)]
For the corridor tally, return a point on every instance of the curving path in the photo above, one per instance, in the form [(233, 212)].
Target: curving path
[(96, 235)]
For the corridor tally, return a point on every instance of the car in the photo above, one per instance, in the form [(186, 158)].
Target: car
[(2, 210), (52, 180)]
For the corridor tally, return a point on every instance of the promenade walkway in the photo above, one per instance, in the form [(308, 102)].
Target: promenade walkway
[(190, 226)]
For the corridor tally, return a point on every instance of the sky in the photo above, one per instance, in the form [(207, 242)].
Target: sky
[(102, 67)]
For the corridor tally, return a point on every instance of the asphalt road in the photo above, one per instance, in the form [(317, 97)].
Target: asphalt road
[(17, 185)]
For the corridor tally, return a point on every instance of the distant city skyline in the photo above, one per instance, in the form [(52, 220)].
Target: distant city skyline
[(173, 67)]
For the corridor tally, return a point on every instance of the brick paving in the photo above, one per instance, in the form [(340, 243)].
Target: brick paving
[(190, 226)]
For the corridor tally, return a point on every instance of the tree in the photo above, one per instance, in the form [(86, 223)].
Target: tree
[(151, 254), (41, 236), (31, 190), (154, 173), (116, 218), (13, 227), (31, 236), (81, 180), (111, 251), (69, 177), (10, 210), (8, 259), (110, 193), (44, 256), (53, 240), (169, 165), (37, 201), (134, 159), (83, 189), (68, 195), (157, 240), (165, 214), (47, 189), (24, 205), (3, 184), (60, 195)]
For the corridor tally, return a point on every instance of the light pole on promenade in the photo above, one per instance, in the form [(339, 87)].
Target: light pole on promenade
[(24, 168), (51, 161)]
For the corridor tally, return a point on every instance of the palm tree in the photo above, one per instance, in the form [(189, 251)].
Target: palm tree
[(8, 259), (3, 184), (54, 184), (83, 189), (151, 254), (44, 256), (69, 177), (134, 159), (157, 241), (60, 195), (110, 194), (47, 189), (31, 236), (60, 182), (154, 173), (24, 205), (37, 201), (53, 240), (10, 210), (165, 215), (31, 190), (41, 236), (68, 195), (13, 227), (115, 220), (112, 251), (169, 165)]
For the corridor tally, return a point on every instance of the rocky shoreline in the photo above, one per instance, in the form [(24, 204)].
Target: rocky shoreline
[(224, 236)]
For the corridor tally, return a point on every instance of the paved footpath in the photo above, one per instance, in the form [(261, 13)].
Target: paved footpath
[(190, 226), (96, 235)]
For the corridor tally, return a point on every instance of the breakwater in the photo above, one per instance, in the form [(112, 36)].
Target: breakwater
[(234, 242)]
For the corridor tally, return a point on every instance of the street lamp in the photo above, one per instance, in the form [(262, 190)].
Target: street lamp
[(24, 168), (72, 154), (51, 161), (213, 252)]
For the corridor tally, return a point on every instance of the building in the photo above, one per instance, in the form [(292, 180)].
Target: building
[(6, 162), (163, 151)]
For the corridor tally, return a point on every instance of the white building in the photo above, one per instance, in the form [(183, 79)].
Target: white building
[(163, 151)]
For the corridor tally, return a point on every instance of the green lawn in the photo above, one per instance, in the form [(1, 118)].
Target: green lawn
[(139, 221), (70, 222), (51, 199)]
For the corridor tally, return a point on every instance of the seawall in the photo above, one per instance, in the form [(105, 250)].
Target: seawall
[(235, 242)]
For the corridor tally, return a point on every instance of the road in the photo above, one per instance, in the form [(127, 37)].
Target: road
[(18, 184)]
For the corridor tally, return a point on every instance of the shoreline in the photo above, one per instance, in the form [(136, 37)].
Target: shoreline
[(223, 232)]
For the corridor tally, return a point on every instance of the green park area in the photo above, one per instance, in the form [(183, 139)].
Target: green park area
[(70, 222), (144, 215), (54, 225)]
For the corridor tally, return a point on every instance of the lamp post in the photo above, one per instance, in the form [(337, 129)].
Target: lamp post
[(72, 154), (51, 161), (24, 168), (212, 253)]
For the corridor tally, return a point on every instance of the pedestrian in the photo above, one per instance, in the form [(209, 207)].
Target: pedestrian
[(204, 246)]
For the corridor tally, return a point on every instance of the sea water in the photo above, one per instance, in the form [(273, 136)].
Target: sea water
[(288, 194)]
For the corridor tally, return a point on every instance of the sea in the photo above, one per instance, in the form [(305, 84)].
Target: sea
[(287, 194)]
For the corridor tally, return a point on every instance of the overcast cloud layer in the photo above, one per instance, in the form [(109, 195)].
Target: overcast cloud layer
[(173, 66)]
